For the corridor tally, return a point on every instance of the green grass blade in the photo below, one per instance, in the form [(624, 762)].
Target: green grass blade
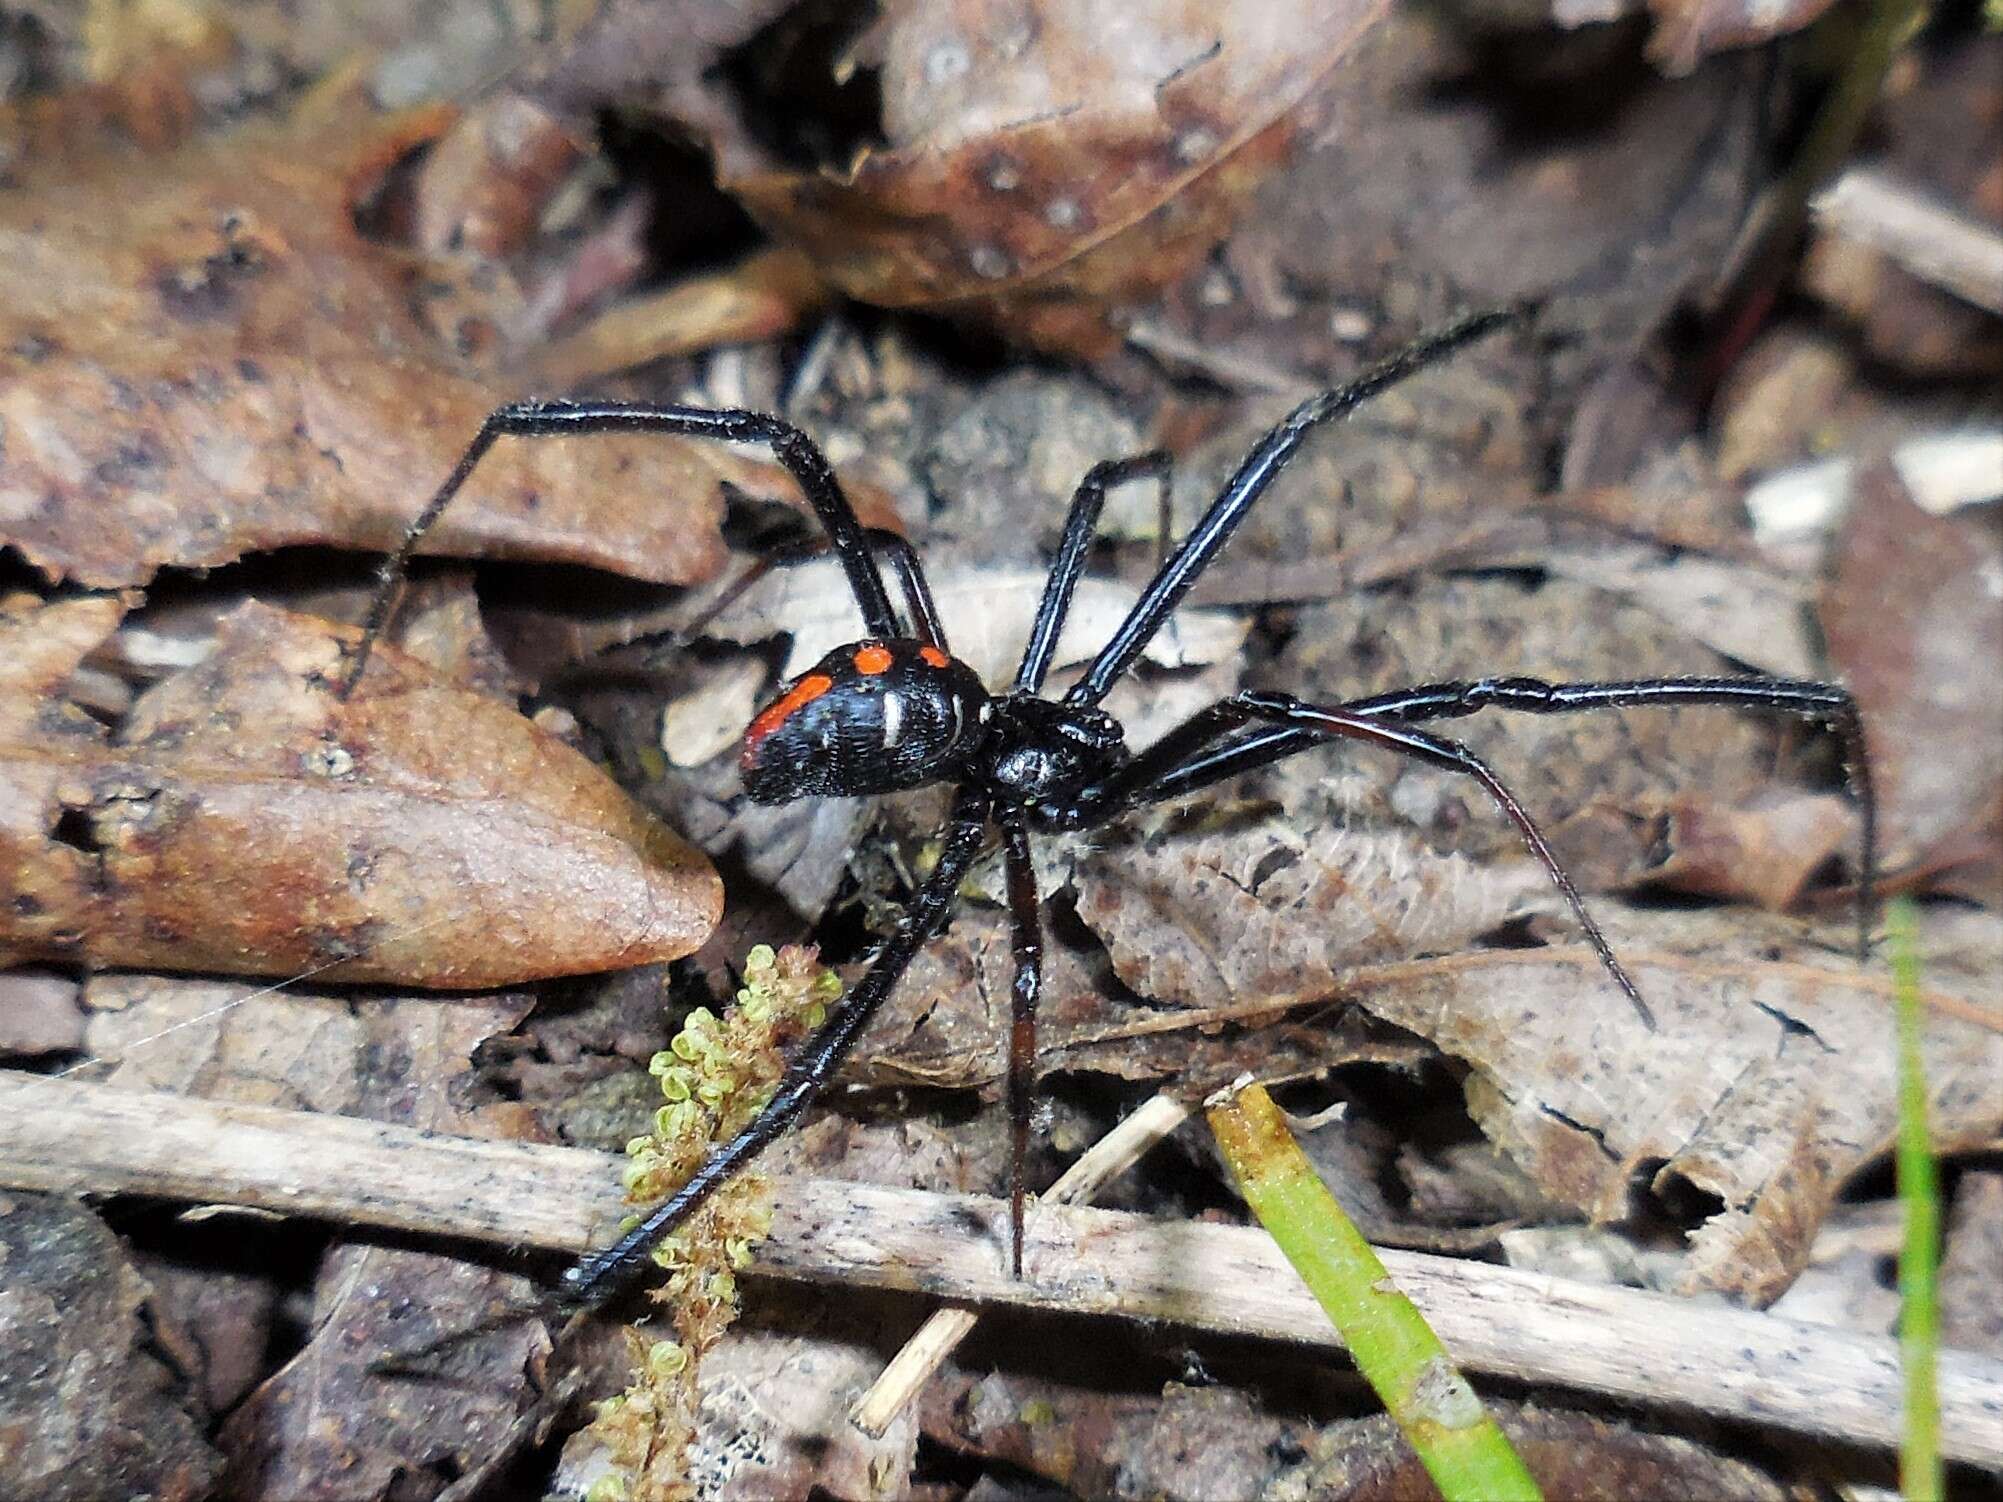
[(1467, 1455), (1920, 1476)]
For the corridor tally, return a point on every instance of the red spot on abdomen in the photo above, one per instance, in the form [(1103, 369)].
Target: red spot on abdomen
[(776, 714), (934, 656), (869, 661)]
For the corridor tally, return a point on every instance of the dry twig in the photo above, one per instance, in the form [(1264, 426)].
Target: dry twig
[(1620, 1342)]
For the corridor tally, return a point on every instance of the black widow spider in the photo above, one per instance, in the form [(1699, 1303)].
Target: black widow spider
[(896, 710)]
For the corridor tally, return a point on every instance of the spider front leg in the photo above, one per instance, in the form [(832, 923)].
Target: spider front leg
[(1206, 749), (551, 419), (599, 1275), (1255, 473), (1081, 521)]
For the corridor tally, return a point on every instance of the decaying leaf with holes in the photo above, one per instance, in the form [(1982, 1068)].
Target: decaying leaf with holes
[(227, 364), (243, 820), (1766, 1087), (1047, 162)]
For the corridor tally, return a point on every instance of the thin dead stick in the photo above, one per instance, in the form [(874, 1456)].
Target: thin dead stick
[(1621, 1342), (1105, 1160), (1930, 240)]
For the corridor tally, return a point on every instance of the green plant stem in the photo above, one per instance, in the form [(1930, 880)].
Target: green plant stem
[(1463, 1450), (1920, 1475)]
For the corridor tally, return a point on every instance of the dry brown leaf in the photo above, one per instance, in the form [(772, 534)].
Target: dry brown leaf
[(244, 820), (327, 1428), (1971, 1266), (391, 1058), (1764, 849), (327, 1424), (761, 297), (946, 1026), (1571, 1455), (1595, 782), (38, 1012), (1936, 128), (86, 1409), (1916, 606), (1186, 1443), (225, 364), (1250, 914), (1448, 174), (486, 182), (986, 613), (1045, 161), (1767, 1084)]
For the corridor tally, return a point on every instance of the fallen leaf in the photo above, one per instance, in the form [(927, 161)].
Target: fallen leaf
[(1764, 849), (1740, 610), (327, 1426), (946, 1026), (1915, 607), (761, 297), (1971, 1266), (1185, 1442), (1245, 915), (38, 1012), (86, 1408), (1594, 782), (1766, 1086), (986, 613), (390, 1058), (1934, 133), (245, 820), (1032, 175), (1577, 1455), (226, 365), (1443, 174)]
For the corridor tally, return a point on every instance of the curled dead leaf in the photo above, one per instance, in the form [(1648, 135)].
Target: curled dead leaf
[(246, 821), (87, 1410), (1765, 848), (1043, 162), (1915, 606), (1766, 1086), (227, 365)]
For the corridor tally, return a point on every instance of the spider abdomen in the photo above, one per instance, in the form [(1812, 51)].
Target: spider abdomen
[(872, 717)]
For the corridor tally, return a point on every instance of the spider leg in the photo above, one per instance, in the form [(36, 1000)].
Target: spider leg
[(1258, 470), (884, 543), (1190, 757), (1079, 524), (594, 1278), (1828, 704), (1022, 903), (549, 419)]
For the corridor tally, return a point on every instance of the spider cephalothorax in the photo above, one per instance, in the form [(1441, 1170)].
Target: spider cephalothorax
[(896, 710)]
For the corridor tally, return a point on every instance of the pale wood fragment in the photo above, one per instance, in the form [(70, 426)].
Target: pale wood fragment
[(1623, 1343)]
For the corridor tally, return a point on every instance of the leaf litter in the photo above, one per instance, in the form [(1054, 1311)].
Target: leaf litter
[(243, 819), (228, 365), (1391, 876)]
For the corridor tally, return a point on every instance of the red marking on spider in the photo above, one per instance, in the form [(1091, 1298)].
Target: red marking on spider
[(797, 697), (872, 659), (934, 656)]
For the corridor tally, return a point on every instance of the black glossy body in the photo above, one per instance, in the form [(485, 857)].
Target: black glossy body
[(895, 710), (872, 717)]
